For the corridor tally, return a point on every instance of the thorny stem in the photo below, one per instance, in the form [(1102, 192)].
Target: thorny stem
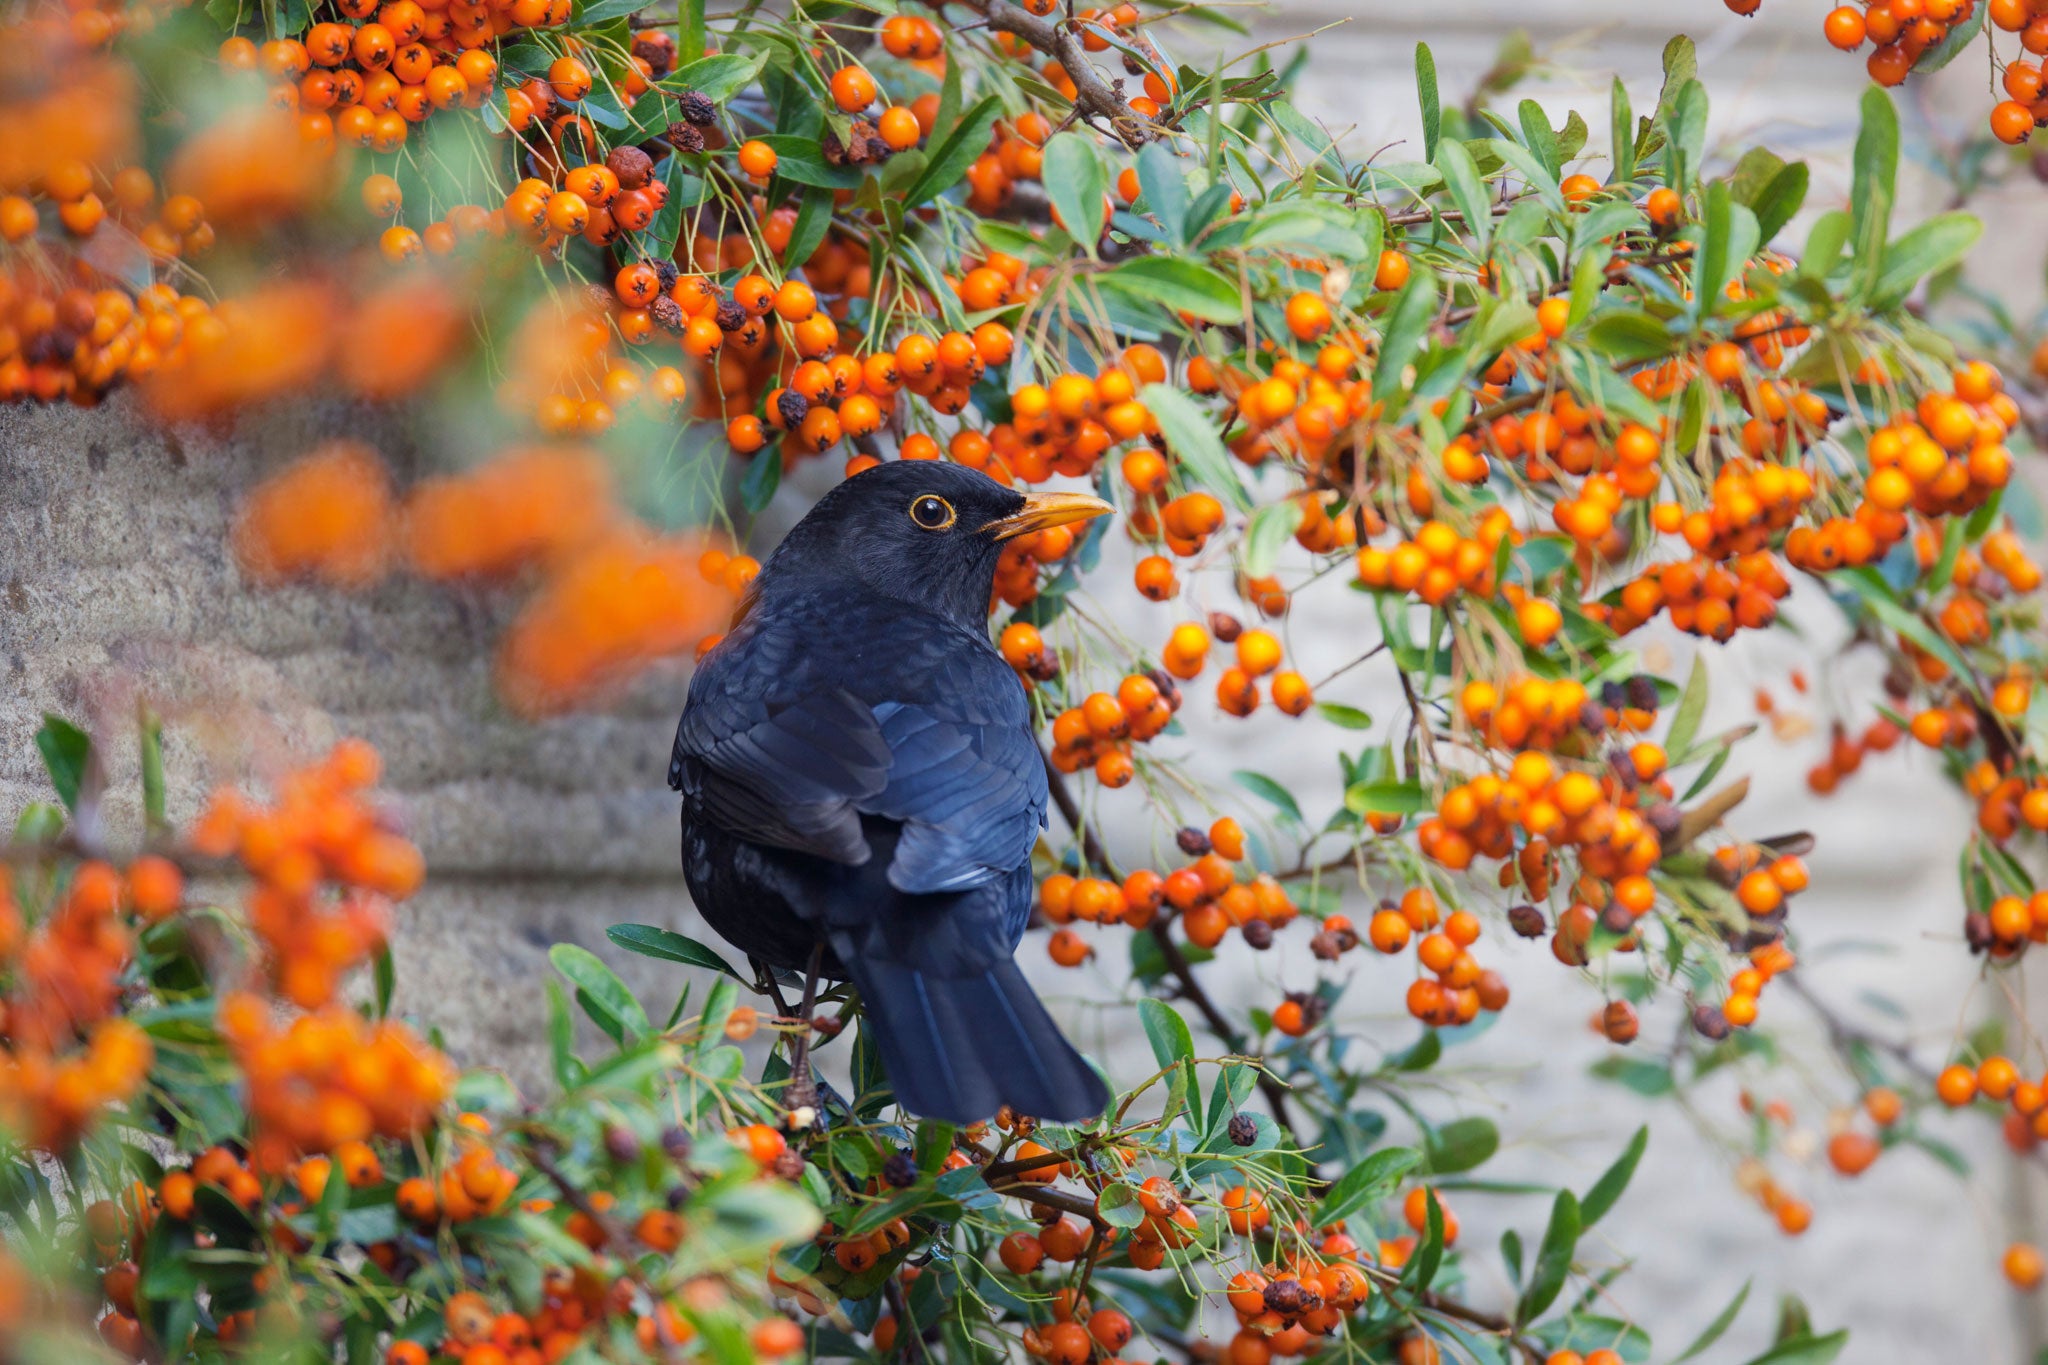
[(1191, 989), (1092, 94)]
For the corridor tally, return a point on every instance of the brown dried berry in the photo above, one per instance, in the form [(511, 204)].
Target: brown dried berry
[(1618, 1021), (793, 407), (900, 1170), (631, 165), (1709, 1022), (667, 314), (684, 137), (697, 109), (621, 1144), (1244, 1130), (1258, 935), (1224, 626), (731, 316), (1192, 841), (1527, 921)]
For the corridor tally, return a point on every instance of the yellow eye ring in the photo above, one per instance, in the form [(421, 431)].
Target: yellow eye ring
[(932, 512)]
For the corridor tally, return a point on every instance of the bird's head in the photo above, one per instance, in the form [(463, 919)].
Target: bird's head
[(924, 531)]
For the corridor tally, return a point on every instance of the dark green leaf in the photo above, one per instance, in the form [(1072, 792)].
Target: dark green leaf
[(1365, 1183), (1645, 1078), (595, 12), (1414, 308), (951, 158), (668, 945), (1346, 717), (1874, 183), (1805, 1350), (1076, 180), (598, 989), (1461, 177), (1266, 788), (763, 477), (1932, 246), (1182, 286), (1607, 1189), (1553, 1259), (1781, 198), (1165, 188), (799, 159), (67, 752), (717, 78), (813, 221), (1717, 1328), (152, 773), (1622, 130), (1191, 438), (1118, 1205), (1167, 1032), (1432, 108), (1461, 1145)]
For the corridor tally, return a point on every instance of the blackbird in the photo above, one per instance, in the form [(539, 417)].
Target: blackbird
[(862, 788)]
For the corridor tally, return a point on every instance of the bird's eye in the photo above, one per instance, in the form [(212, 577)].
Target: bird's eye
[(931, 511)]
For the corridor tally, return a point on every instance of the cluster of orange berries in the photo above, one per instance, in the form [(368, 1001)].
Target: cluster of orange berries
[(332, 1077), (1766, 960), (1439, 562), (1903, 31), (1794, 1215), (1100, 731), (1846, 752), (66, 982), (1997, 1079), (325, 863), (364, 82), (1852, 1152), (1205, 893), (1065, 427), (612, 595), (1257, 654), (1560, 805), (1461, 988)]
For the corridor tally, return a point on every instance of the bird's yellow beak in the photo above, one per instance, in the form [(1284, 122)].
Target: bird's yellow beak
[(1045, 510)]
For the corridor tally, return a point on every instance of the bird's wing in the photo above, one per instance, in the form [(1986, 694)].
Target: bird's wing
[(776, 753), (788, 739), (965, 777)]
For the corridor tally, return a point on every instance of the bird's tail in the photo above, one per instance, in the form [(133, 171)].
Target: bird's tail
[(959, 1048)]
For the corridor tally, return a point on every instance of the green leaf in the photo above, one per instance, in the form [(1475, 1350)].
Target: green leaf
[(1622, 130), (1365, 1184), (1432, 107), (1874, 183), (1118, 1205), (763, 477), (1779, 200), (1629, 336), (951, 158), (799, 159), (152, 773), (813, 221), (1191, 438), (1076, 180), (1267, 534), (1645, 1078), (1824, 243), (1324, 227), (1165, 188), (1414, 308), (1467, 190), (67, 752), (1386, 798), (689, 27), (1553, 1259), (1933, 246), (1344, 717), (1685, 122), (718, 78), (1167, 1032), (1692, 707), (1183, 286), (1537, 135), (1681, 65), (1461, 1145), (1607, 1189), (1260, 785), (596, 12), (1717, 1328), (668, 945), (598, 989), (562, 1037), (1869, 585), (1805, 1350), (1728, 239)]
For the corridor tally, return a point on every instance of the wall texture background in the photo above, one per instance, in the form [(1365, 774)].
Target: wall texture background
[(115, 585)]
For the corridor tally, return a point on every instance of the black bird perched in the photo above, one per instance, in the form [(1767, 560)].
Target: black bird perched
[(862, 789)]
